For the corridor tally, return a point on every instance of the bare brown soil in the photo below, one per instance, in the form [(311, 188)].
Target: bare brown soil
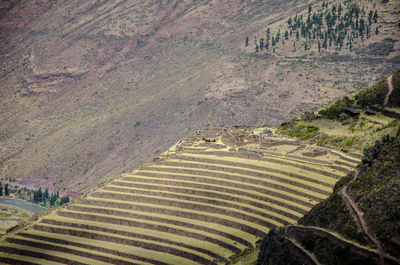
[(193, 166), (15, 262), (90, 247), (248, 180), (185, 197), (179, 204), (118, 240), (223, 182), (262, 168), (228, 196), (130, 223), (66, 250), (210, 185), (267, 159), (122, 233), (36, 254)]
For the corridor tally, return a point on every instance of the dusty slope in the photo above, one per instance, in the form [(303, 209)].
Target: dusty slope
[(90, 89)]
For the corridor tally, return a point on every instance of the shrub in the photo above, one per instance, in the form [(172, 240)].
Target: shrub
[(374, 94), (336, 109), (394, 99)]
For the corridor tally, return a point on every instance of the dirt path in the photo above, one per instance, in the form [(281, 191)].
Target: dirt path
[(389, 80), (364, 225), (308, 254)]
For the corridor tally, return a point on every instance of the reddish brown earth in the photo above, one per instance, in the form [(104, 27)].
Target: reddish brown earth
[(90, 89)]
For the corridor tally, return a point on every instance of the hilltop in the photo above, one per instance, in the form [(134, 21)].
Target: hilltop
[(93, 89)]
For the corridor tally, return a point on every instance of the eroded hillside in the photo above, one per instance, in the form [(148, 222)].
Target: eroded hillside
[(91, 89)]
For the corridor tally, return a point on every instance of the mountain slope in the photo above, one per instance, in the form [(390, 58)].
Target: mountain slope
[(92, 89)]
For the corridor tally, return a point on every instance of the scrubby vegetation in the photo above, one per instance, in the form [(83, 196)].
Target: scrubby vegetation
[(334, 110), (333, 214), (377, 191), (374, 94), (304, 132), (279, 248), (351, 124), (394, 99), (10, 216), (365, 98)]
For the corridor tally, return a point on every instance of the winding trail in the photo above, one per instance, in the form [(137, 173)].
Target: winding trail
[(390, 87), (363, 223), (308, 254)]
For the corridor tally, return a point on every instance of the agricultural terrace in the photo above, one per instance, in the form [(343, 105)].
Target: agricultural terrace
[(208, 198)]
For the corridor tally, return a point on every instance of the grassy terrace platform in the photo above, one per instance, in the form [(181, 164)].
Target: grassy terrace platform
[(209, 197)]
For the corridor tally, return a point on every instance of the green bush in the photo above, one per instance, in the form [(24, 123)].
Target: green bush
[(334, 110), (394, 99), (374, 94)]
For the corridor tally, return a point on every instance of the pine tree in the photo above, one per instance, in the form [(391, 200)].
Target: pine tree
[(6, 190), (286, 35), (40, 195), (297, 35), (375, 16), (289, 21), (278, 35), (1, 189), (370, 15), (377, 30), (261, 44), (256, 47), (64, 199), (309, 9), (247, 41), (46, 195), (53, 199), (319, 46)]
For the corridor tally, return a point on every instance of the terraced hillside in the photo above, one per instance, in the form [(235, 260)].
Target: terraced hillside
[(205, 200)]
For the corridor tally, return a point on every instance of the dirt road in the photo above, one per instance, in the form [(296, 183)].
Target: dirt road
[(390, 87)]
